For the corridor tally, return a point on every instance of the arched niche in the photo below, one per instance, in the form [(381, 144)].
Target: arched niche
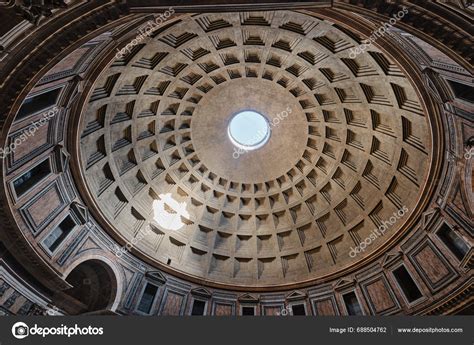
[(94, 288)]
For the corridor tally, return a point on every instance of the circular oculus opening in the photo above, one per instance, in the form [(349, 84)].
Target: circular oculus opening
[(248, 130)]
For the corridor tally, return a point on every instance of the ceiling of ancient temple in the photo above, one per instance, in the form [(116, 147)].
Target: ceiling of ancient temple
[(349, 146)]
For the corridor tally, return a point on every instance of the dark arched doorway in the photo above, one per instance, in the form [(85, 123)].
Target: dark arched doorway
[(94, 288)]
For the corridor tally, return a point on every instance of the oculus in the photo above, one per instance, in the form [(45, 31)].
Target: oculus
[(248, 130)]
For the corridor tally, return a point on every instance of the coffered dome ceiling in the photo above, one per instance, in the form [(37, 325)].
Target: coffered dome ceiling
[(349, 146)]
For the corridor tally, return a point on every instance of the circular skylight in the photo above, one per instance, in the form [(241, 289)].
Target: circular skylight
[(249, 130)]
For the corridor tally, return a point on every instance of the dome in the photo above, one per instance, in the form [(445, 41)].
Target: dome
[(350, 146)]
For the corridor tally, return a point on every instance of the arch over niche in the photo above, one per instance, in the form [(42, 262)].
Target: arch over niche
[(95, 286)]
